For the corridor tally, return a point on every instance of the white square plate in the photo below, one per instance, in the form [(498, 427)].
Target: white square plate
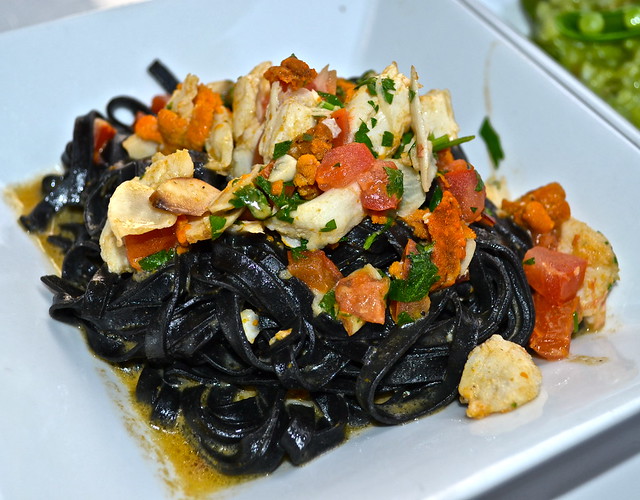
[(67, 430)]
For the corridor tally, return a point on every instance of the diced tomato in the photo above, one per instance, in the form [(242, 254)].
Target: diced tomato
[(341, 116), (103, 132), (363, 295), (551, 337), (468, 188), (315, 269), (159, 101), (140, 246), (374, 184), (556, 275), (343, 165)]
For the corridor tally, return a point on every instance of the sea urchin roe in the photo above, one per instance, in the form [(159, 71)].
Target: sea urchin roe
[(292, 73)]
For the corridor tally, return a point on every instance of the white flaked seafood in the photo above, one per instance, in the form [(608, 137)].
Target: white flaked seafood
[(377, 114), (499, 377), (341, 205)]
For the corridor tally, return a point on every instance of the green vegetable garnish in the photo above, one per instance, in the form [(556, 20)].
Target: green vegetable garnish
[(329, 226), (600, 26), (281, 149), (254, 199), (436, 198), (404, 318), (362, 137), (387, 139), (529, 262), (284, 204), (328, 303), (423, 273), (331, 99), (217, 225), (296, 252), (372, 237), (443, 142), (156, 260), (480, 184), (395, 186), (492, 140)]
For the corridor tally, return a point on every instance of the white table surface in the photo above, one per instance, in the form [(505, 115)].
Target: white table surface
[(606, 466)]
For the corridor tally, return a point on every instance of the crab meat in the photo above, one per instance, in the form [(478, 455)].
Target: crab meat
[(219, 143), (437, 113), (112, 253), (184, 195), (421, 151), (163, 168), (499, 376), (342, 205), (249, 97), (289, 115), (377, 114), (577, 238)]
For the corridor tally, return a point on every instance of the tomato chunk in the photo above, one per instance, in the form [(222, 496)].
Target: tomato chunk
[(314, 269), (343, 165), (341, 116), (375, 187), (140, 246), (551, 337), (362, 294), (468, 188), (556, 275)]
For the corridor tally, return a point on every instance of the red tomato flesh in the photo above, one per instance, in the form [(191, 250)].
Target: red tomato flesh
[(551, 337), (343, 165), (314, 269), (341, 116), (468, 189), (363, 296), (140, 246), (556, 275), (374, 182)]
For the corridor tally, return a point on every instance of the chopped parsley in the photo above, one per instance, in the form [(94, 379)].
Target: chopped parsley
[(217, 225), (284, 203), (387, 139), (331, 99), (362, 137), (443, 141), (436, 198), (155, 260), (529, 262), (328, 303), (423, 273), (373, 236), (329, 226), (492, 141), (395, 186), (254, 199), (281, 149), (404, 318), (296, 252), (480, 184)]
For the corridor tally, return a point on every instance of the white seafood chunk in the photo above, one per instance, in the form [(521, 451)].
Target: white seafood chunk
[(114, 255), (289, 115), (413, 195), (602, 271), (250, 95), (131, 212), (376, 115), (499, 376), (437, 113), (184, 195), (341, 205), (181, 101), (138, 148), (219, 143), (163, 168), (421, 151)]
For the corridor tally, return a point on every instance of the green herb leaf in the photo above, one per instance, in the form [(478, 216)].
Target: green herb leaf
[(281, 149), (284, 204), (296, 252), (328, 303), (443, 142), (331, 99), (387, 139), (423, 273), (395, 186), (374, 106), (492, 141), (156, 260), (412, 94), (329, 226), (217, 225), (254, 199), (387, 85), (373, 236), (576, 322), (404, 318), (479, 183), (406, 139), (362, 137), (530, 262), (436, 198)]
